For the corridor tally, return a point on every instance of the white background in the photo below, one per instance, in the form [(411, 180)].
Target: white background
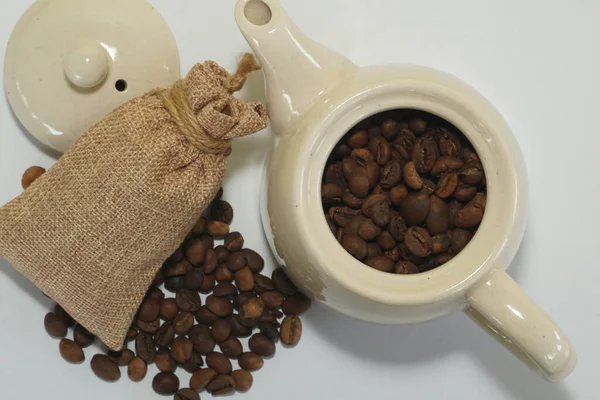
[(537, 61)]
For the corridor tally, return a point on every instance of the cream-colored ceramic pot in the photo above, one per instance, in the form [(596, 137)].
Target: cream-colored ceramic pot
[(315, 96)]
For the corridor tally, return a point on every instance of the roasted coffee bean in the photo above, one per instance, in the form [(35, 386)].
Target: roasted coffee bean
[(368, 230), (242, 298), (195, 251), (406, 268), (131, 334), (194, 279), (270, 317), (438, 220), (334, 174), (283, 283), (393, 254), (453, 208), (220, 330), (225, 289), (459, 240), (145, 347), (223, 274), (354, 225), (411, 176), (415, 208), (362, 156), (251, 312), (471, 215), (348, 166), (355, 246), (234, 241), (177, 269), (148, 327), (398, 194), (331, 193), (137, 369), (177, 256), (447, 185), (392, 174), (186, 394), (262, 345), (219, 306), (296, 304), (222, 385), (237, 329), (443, 258), (272, 299), (374, 131), (71, 352), (205, 317), (181, 349), (383, 152), (372, 202), (222, 211), (236, 261), (164, 362), (340, 235), (351, 200), (183, 323), (200, 226), (159, 278), (250, 362), (380, 263), (219, 362), (202, 339), (449, 144), (465, 192), (418, 241), (105, 369), (291, 331), (262, 284), (428, 187), (244, 279), (417, 125), (358, 139), (445, 164), (165, 383), (403, 144), (208, 284), (55, 326), (217, 228), (149, 310), (342, 215), (188, 300), (386, 241), (209, 242), (175, 283), (215, 257), (85, 338), (390, 129), (154, 293), (243, 380), (231, 347), (30, 175), (440, 243), (472, 173), (397, 228), (201, 378), (122, 358), (359, 183), (254, 260), (63, 316), (425, 153), (381, 214), (331, 225), (194, 363), (165, 335)]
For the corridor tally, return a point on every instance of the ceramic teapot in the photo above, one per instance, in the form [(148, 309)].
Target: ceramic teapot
[(315, 96)]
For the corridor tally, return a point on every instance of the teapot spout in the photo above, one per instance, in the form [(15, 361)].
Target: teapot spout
[(297, 69)]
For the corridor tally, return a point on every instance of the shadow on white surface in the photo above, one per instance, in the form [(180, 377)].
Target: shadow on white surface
[(434, 340), (40, 146), (7, 272)]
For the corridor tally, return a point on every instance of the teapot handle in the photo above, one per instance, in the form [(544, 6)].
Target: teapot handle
[(505, 311)]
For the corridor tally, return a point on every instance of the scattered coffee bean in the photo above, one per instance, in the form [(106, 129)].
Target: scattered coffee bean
[(208, 284), (181, 349), (165, 334), (137, 369), (243, 380), (165, 383), (131, 335), (262, 345), (221, 385), (30, 175), (188, 300), (251, 312), (272, 299), (145, 347), (239, 330), (202, 339), (194, 279), (168, 309), (262, 284), (148, 327), (219, 362), (205, 317), (296, 304), (250, 362), (406, 268), (225, 289), (219, 306), (195, 251), (221, 330), (234, 241), (381, 263), (254, 260), (291, 330), (236, 261), (244, 278), (460, 239), (231, 347), (183, 323), (194, 363), (175, 283), (223, 274), (217, 228), (71, 351), (283, 283), (84, 338), (186, 394), (121, 358), (105, 369), (64, 316), (149, 310), (55, 326), (201, 378), (164, 362)]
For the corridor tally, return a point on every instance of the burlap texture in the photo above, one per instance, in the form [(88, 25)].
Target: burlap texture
[(94, 230)]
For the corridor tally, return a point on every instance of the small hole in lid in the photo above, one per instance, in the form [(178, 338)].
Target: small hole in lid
[(258, 12), (121, 85)]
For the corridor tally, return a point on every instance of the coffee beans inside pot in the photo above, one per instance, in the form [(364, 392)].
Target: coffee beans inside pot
[(404, 192), (197, 334)]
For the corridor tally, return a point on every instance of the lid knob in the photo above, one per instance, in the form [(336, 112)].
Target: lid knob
[(87, 66)]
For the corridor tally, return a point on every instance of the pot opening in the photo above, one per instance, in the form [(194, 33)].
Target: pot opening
[(404, 191)]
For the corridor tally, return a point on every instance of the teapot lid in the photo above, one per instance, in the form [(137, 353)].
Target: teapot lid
[(69, 63)]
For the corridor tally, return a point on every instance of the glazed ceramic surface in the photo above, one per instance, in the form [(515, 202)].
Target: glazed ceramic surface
[(70, 62), (315, 96)]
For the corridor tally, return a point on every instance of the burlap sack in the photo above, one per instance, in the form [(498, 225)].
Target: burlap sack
[(94, 230)]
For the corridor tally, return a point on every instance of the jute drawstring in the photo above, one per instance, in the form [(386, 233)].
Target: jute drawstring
[(177, 104)]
